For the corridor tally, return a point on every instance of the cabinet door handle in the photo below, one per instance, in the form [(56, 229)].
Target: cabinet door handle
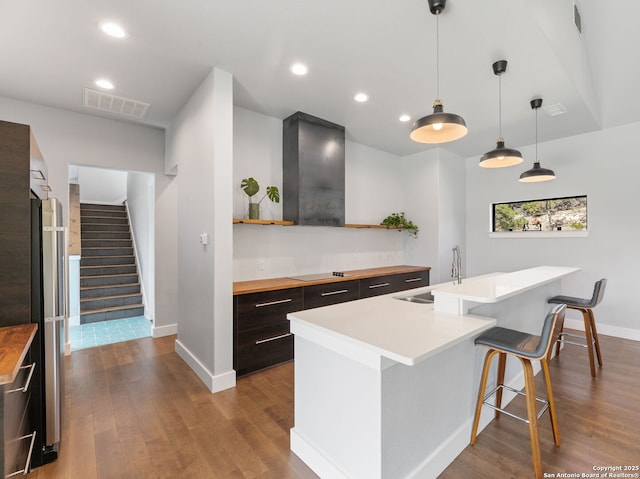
[(260, 341), (380, 285), (331, 293), (271, 303), (24, 388), (25, 471), (412, 280)]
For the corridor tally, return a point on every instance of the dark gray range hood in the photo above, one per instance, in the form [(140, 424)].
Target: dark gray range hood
[(313, 171)]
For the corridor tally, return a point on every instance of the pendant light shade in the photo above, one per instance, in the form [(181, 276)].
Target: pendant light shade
[(500, 157), (537, 173), (438, 127)]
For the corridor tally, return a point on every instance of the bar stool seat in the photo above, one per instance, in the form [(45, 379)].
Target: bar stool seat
[(590, 338), (526, 347)]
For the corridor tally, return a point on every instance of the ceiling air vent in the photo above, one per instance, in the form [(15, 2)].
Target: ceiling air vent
[(577, 19), (555, 109), (115, 104)]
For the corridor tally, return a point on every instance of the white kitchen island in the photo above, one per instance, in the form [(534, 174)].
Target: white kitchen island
[(386, 388)]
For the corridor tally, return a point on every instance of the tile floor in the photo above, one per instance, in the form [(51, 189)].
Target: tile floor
[(107, 332)]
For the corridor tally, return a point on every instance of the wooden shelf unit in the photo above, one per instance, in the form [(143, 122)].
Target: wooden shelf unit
[(261, 222)]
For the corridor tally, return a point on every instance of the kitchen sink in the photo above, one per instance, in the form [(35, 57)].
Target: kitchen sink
[(425, 298)]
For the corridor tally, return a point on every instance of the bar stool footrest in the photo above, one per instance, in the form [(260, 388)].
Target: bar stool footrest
[(504, 411), (582, 345)]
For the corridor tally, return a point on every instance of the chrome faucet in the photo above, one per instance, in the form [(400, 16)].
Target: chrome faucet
[(456, 267)]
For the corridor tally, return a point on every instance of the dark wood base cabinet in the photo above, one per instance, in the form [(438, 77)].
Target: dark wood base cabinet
[(17, 437), (261, 328)]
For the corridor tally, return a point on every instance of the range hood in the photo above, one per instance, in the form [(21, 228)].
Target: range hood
[(313, 171)]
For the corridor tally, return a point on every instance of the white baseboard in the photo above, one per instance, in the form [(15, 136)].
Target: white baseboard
[(605, 329), (313, 458), (213, 383), (161, 331)]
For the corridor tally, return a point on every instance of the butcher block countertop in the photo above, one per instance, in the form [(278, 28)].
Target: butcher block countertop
[(14, 344), (272, 284)]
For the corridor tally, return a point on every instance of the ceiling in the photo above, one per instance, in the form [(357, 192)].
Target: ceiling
[(52, 50)]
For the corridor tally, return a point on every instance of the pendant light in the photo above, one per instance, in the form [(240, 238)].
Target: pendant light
[(439, 127), (501, 157), (537, 173)]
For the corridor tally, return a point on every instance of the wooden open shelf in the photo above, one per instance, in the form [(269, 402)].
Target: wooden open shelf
[(261, 222), (354, 225), (291, 223)]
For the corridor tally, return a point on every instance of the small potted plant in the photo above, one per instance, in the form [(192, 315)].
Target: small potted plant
[(399, 221), (251, 187)]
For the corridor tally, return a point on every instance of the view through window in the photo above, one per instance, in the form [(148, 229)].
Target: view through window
[(552, 214)]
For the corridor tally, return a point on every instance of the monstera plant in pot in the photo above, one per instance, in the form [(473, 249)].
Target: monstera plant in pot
[(251, 187)]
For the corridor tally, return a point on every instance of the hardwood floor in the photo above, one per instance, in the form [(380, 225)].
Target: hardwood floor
[(598, 419), (135, 410)]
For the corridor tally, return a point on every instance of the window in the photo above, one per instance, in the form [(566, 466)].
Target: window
[(552, 214)]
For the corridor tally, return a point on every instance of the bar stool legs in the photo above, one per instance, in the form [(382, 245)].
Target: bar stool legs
[(585, 306), (530, 397), (590, 337)]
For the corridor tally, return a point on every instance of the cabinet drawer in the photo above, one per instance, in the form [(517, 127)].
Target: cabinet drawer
[(263, 347), (378, 285), (16, 398), (256, 310), (411, 280), (331, 293)]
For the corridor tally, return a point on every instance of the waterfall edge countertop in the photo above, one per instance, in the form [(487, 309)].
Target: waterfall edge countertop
[(14, 344), (409, 332)]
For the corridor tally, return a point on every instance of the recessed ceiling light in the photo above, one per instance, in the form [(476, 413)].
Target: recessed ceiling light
[(361, 97), (404, 118), (113, 29), (104, 84), (299, 69)]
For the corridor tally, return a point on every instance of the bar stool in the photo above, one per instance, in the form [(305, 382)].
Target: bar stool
[(525, 347), (585, 306)]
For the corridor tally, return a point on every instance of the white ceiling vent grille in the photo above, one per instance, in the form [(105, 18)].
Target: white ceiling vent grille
[(114, 104), (555, 109)]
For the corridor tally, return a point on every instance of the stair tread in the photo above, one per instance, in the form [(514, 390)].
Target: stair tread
[(85, 288), (121, 265), (101, 298), (113, 308)]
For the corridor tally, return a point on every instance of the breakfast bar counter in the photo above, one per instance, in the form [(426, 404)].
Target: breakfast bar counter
[(385, 387)]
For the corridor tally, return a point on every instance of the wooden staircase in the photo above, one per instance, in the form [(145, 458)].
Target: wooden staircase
[(109, 284)]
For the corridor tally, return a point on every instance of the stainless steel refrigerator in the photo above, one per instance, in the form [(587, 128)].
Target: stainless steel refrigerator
[(49, 311)]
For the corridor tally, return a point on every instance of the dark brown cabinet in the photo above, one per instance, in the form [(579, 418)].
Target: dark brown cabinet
[(404, 281), (378, 285), (331, 293), (261, 327), (17, 368)]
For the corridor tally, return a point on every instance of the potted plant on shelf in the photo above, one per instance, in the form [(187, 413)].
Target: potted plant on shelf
[(400, 222), (251, 187)]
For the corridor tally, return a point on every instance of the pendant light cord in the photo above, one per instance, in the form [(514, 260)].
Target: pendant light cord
[(536, 135), (438, 56), (500, 105)]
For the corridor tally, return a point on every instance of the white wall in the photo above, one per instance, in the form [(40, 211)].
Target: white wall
[(373, 190), (199, 146), (102, 186), (140, 194), (67, 138), (434, 197), (603, 165)]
